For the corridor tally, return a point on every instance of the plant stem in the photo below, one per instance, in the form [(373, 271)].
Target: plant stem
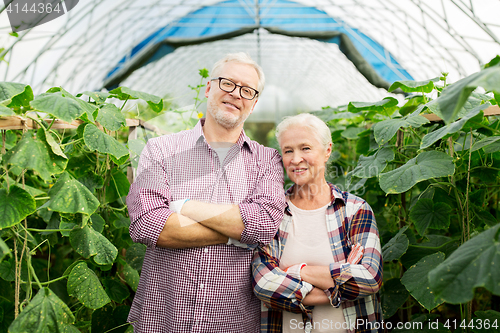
[(463, 145), (16, 280), (467, 235), (486, 127), (121, 109), (36, 121), (25, 242), (36, 247), (34, 275), (123, 208), (51, 123), (55, 280), (4, 135), (70, 143), (196, 99), (468, 309), (3, 141), (114, 328), (47, 230), (424, 97)]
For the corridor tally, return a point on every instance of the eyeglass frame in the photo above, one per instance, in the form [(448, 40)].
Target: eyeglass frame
[(235, 86)]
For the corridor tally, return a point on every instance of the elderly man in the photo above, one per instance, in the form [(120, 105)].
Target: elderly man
[(202, 200)]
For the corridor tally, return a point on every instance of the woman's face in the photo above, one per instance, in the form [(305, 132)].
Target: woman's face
[(304, 157)]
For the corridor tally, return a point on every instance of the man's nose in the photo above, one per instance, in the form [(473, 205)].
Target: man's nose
[(235, 93)]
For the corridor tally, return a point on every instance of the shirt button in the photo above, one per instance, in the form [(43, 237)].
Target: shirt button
[(201, 286), (205, 250)]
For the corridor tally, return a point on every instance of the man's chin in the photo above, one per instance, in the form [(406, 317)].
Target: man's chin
[(229, 121), (230, 124)]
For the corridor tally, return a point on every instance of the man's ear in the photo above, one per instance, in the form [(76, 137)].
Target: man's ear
[(251, 110), (207, 89)]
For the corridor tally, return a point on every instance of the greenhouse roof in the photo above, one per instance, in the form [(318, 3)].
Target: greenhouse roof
[(315, 53)]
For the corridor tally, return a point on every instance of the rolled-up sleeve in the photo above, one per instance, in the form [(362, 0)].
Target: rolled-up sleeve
[(262, 214), (275, 288), (365, 278), (149, 196)]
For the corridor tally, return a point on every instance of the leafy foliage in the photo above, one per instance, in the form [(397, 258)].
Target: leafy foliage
[(45, 313), (15, 205), (433, 187), (63, 191), (396, 247), (393, 297), (475, 264), (84, 284), (70, 196), (90, 243), (426, 214), (427, 165), (417, 283), (35, 153)]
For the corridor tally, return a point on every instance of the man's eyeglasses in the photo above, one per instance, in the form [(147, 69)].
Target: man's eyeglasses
[(229, 86)]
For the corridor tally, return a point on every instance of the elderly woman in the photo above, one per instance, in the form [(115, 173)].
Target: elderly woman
[(323, 270)]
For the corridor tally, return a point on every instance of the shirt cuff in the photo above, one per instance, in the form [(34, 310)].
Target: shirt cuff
[(333, 295), (306, 288), (340, 272), (255, 231), (153, 224)]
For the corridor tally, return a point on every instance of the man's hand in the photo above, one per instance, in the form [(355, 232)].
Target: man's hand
[(225, 219), (176, 205), (181, 232)]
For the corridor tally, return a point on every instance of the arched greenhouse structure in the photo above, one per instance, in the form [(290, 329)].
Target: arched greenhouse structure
[(409, 89)]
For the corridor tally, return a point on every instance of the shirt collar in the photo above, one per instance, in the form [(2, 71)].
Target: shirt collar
[(199, 136), (336, 194)]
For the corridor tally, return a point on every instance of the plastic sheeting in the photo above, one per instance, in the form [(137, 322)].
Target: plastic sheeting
[(425, 37), (231, 18)]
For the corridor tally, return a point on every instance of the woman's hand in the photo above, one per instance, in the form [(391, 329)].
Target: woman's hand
[(356, 254), (318, 276), (316, 297)]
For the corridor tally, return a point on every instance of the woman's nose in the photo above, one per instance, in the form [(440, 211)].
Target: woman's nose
[(296, 158)]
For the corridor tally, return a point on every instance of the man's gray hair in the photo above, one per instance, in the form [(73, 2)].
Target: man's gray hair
[(242, 58), (318, 127)]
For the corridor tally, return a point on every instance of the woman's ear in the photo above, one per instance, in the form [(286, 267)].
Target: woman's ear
[(329, 150)]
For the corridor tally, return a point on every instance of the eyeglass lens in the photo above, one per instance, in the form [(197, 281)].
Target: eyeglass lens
[(229, 86)]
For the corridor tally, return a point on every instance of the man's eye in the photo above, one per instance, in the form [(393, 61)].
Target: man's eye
[(246, 90)]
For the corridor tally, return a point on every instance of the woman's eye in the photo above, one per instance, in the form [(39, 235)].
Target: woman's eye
[(287, 151), (306, 148)]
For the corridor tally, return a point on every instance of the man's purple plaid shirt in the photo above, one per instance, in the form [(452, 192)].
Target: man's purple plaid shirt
[(206, 289)]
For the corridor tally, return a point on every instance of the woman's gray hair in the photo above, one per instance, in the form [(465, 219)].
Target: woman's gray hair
[(317, 126), (242, 58)]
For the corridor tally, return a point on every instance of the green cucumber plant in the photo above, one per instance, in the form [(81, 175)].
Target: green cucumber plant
[(435, 192), (67, 261)]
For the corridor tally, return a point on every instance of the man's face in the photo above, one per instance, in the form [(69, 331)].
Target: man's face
[(229, 109)]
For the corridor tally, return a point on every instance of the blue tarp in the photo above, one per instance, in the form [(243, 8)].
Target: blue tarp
[(218, 21)]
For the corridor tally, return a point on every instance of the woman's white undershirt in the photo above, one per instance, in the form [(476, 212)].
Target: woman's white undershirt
[(308, 242)]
